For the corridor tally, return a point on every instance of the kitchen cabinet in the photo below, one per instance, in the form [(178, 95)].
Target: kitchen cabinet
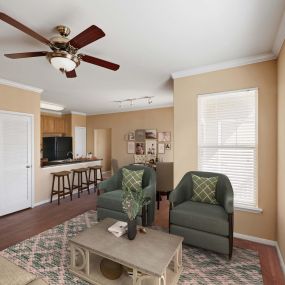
[(52, 125)]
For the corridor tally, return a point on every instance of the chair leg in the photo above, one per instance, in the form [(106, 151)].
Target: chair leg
[(63, 187), (87, 181), (158, 200), (70, 190), (52, 188), (79, 183), (58, 190), (101, 174), (72, 186)]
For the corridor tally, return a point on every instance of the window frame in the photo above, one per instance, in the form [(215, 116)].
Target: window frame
[(254, 209)]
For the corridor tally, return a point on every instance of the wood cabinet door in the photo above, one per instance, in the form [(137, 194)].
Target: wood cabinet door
[(48, 124), (59, 126)]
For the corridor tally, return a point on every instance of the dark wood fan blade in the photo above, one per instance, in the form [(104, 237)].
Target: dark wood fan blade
[(26, 54), (71, 74), (23, 28), (100, 62), (88, 36)]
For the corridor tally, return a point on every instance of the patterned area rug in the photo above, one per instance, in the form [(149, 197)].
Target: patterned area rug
[(47, 255)]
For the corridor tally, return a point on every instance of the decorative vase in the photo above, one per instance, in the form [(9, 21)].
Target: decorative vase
[(132, 229)]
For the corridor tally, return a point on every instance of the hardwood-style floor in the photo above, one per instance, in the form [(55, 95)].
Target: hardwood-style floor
[(22, 225)]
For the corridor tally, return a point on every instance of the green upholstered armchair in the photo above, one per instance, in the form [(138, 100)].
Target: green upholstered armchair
[(203, 225), (109, 203)]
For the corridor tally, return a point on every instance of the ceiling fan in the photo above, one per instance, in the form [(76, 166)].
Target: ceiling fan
[(63, 55)]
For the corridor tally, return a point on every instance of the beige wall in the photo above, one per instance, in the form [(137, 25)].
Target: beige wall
[(123, 123), (281, 153), (23, 101), (264, 77)]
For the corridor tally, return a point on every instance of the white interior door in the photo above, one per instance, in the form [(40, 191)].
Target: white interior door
[(80, 141), (16, 142)]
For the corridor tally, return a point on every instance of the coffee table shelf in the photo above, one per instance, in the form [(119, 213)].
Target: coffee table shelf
[(91, 246)]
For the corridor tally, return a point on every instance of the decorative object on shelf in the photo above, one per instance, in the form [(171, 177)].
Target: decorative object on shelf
[(140, 148), (164, 136), (131, 136), (140, 135), (168, 146), (161, 148), (151, 147), (150, 134), (131, 147), (130, 102), (110, 269)]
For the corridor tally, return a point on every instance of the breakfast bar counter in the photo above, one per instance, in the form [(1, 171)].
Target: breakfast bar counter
[(46, 175)]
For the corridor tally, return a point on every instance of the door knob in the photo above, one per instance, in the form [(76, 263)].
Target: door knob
[(28, 166)]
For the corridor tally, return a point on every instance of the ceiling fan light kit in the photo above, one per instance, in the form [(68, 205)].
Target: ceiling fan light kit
[(63, 61), (64, 55)]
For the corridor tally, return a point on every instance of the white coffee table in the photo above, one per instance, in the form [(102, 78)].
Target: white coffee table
[(155, 257)]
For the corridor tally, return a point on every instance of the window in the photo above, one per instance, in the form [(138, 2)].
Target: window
[(227, 140)]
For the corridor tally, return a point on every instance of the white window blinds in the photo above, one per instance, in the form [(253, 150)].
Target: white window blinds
[(227, 140)]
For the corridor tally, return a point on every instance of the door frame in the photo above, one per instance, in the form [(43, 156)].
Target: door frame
[(32, 117)]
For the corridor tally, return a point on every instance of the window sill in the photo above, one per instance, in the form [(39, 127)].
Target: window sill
[(249, 209)]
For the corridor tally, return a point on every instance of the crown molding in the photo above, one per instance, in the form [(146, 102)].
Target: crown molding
[(280, 37), (20, 85), (224, 65)]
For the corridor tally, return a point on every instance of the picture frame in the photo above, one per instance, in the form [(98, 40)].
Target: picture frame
[(151, 134), (151, 147), (168, 146), (131, 136), (140, 148), (164, 136), (140, 135), (131, 147), (161, 148)]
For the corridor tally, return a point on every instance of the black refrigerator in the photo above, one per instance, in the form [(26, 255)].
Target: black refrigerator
[(57, 148)]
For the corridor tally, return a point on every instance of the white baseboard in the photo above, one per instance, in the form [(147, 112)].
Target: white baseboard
[(266, 242), (255, 239), (280, 258), (55, 198)]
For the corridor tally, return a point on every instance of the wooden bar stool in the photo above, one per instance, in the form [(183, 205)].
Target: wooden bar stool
[(94, 169), (80, 185), (60, 191)]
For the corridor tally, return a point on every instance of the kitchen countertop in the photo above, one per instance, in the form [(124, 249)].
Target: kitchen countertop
[(68, 161)]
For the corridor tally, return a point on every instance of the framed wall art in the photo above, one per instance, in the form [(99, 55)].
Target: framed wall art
[(161, 148), (140, 135), (150, 134), (151, 147), (164, 136), (167, 146), (131, 147), (140, 148)]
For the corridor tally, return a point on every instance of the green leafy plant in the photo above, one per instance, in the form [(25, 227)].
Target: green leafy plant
[(133, 201)]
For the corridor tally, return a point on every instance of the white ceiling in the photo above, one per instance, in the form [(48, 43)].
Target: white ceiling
[(149, 39)]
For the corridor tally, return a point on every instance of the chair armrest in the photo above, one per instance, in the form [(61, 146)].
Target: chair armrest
[(180, 193), (149, 191), (228, 201), (110, 184)]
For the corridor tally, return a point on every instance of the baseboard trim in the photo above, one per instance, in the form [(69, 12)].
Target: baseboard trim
[(55, 198), (266, 242), (282, 263), (255, 239)]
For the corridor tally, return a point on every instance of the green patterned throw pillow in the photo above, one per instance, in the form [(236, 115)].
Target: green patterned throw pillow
[(204, 189), (132, 179)]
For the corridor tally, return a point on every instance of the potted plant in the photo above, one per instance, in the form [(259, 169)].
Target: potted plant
[(133, 201)]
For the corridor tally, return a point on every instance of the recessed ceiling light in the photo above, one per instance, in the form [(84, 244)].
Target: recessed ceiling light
[(51, 106)]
